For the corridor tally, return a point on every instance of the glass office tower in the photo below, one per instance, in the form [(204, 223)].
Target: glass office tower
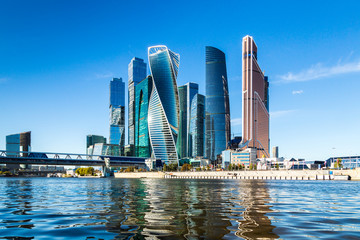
[(255, 120), (217, 108), (142, 97), (20, 142), (163, 119), (117, 112), (136, 73), (91, 140), (197, 126), (186, 95)]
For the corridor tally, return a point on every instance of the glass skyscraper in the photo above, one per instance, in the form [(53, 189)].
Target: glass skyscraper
[(142, 97), (255, 120), (136, 73), (163, 118), (91, 140), (186, 95), (197, 126), (217, 108), (117, 112), (20, 142)]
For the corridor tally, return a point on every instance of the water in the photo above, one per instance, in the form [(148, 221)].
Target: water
[(55, 208)]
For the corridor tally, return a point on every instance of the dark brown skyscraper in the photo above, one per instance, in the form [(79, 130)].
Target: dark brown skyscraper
[(255, 101)]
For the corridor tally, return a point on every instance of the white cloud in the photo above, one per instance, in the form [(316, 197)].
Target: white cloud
[(104, 75), (297, 92), (280, 113), (319, 71), (236, 122)]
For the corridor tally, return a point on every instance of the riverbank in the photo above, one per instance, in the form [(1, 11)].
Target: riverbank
[(353, 174)]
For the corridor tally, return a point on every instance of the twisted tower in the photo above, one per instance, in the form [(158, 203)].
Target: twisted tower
[(163, 118)]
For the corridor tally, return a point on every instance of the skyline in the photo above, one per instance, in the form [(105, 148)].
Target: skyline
[(54, 81)]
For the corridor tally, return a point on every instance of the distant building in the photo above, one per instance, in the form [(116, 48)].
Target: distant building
[(142, 97), (186, 95), (106, 149), (129, 150), (244, 157), (163, 117), (275, 152), (117, 112), (255, 109), (234, 143), (20, 142), (348, 162), (217, 110), (136, 73), (91, 140), (197, 127)]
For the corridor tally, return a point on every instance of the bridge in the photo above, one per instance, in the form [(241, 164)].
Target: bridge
[(68, 159)]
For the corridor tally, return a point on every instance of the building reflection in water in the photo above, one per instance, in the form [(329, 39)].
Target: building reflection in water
[(191, 209), (19, 202), (255, 223)]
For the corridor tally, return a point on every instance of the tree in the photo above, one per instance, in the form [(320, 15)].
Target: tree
[(165, 168), (186, 167), (277, 166)]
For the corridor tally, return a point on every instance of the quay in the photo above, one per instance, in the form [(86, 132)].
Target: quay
[(352, 174)]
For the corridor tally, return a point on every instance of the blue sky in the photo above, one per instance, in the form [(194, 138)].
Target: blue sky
[(58, 57)]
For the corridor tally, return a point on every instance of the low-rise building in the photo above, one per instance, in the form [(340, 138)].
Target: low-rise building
[(239, 157)]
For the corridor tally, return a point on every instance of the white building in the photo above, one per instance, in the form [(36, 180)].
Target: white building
[(238, 157)]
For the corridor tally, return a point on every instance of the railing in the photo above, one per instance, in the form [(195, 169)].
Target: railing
[(47, 155)]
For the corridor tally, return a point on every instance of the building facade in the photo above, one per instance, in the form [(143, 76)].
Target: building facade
[(244, 157), (106, 149), (91, 140), (136, 73), (142, 96), (163, 117), (186, 95), (117, 112), (197, 126), (217, 110), (20, 142), (255, 109)]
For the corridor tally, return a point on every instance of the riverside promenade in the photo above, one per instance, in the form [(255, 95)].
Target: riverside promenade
[(353, 174)]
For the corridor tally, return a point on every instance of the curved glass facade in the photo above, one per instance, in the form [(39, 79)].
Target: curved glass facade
[(163, 118), (217, 108)]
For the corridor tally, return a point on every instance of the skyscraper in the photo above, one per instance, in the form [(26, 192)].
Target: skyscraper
[(255, 120), (217, 108), (136, 73), (186, 95), (163, 118), (197, 126), (117, 112), (142, 97)]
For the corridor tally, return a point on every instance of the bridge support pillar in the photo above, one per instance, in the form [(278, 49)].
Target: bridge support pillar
[(106, 168)]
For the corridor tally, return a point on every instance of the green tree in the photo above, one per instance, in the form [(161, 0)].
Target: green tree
[(165, 168), (277, 166)]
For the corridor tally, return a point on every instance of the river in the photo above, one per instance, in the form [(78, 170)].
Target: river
[(58, 208)]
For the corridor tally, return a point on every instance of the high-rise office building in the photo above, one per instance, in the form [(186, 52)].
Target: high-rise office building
[(275, 152), (163, 117), (136, 73), (91, 140), (255, 120), (20, 142), (117, 112), (217, 108), (186, 95), (142, 97), (197, 126)]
